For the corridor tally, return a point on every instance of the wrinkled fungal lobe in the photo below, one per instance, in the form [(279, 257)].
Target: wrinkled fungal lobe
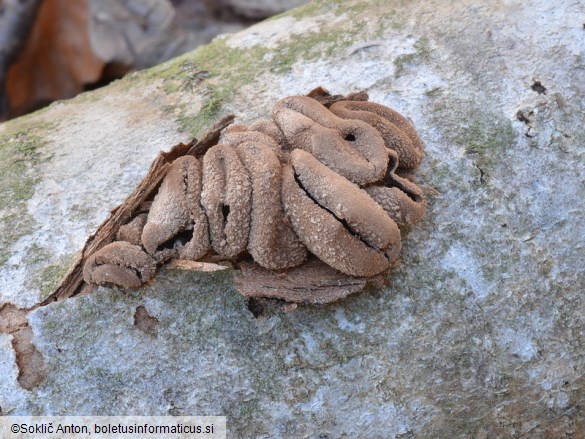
[(314, 178)]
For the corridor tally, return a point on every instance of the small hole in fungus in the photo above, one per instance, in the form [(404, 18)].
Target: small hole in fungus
[(350, 137), (225, 211), (176, 241)]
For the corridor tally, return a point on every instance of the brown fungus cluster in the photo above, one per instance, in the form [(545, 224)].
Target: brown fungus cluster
[(319, 179)]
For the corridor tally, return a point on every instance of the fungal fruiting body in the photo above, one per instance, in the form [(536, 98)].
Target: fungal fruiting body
[(319, 177)]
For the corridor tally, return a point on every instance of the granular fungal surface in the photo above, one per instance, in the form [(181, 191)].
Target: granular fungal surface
[(313, 193)]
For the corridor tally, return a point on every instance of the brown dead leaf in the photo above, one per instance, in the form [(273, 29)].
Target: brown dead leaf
[(57, 59)]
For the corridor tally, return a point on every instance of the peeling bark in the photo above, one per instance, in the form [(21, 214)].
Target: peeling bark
[(29, 361)]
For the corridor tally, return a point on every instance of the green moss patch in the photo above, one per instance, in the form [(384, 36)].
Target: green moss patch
[(307, 10), (337, 7), (20, 153), (486, 137), (421, 54), (387, 20), (49, 278)]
